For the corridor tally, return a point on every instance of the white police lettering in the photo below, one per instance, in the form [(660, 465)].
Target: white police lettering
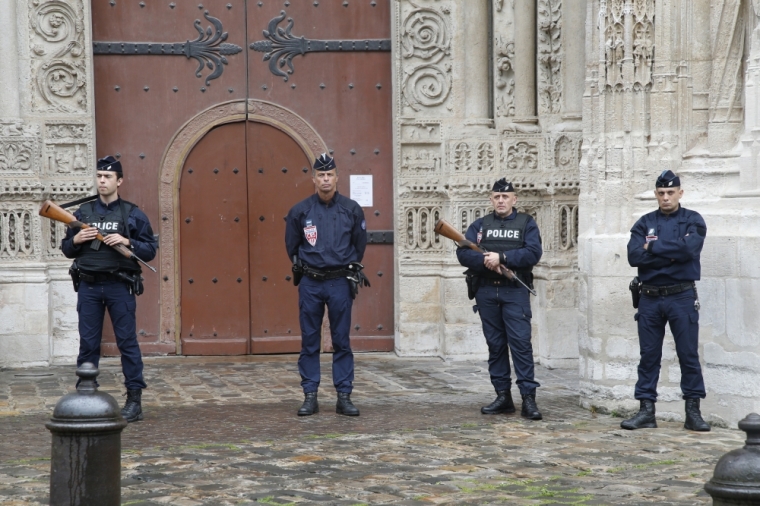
[(105, 227), (503, 234)]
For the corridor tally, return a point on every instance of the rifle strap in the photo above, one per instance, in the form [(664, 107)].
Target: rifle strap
[(73, 203)]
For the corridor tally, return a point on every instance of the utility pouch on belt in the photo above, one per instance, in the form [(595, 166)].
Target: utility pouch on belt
[(472, 285), (74, 273), (635, 288), (133, 281), (297, 270)]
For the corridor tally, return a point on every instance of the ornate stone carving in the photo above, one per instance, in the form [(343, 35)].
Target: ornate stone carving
[(421, 132), (18, 232), (568, 227), (467, 213), (628, 28), (58, 66), (473, 156), (68, 148), (425, 39), (505, 82), (19, 149), (415, 160), (522, 156), (566, 153), (550, 55), (726, 87), (418, 228)]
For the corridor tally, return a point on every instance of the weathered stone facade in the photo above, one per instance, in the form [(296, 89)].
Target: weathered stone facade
[(579, 102)]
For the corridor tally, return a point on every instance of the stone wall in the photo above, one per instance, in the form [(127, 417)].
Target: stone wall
[(661, 95), (46, 148), (469, 112)]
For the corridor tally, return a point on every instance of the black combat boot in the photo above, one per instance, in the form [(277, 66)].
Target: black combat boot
[(529, 408), (310, 405), (502, 404), (132, 410), (694, 420), (644, 419), (345, 406)]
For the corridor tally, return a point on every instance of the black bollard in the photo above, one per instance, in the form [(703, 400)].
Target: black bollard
[(736, 480), (85, 464)]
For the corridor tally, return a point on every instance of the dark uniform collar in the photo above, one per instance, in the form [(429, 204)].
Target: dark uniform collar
[(510, 217), (332, 201), (109, 207)]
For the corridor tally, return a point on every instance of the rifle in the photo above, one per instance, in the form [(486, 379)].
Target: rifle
[(57, 213), (446, 229)]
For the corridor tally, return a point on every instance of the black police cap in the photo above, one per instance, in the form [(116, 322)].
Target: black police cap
[(667, 180), (109, 163), (324, 162), (502, 186)]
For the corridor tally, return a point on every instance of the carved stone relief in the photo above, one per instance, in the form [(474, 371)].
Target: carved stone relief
[(425, 41), (418, 223), (566, 151), (416, 160), (617, 19), (67, 148), (521, 156), (58, 58), (19, 149), (550, 56), (421, 133), (505, 82), (19, 232), (472, 156)]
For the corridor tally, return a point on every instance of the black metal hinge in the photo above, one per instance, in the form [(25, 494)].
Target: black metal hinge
[(379, 236), (282, 46), (209, 49)]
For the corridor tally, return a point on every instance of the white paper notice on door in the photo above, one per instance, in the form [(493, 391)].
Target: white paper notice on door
[(361, 190)]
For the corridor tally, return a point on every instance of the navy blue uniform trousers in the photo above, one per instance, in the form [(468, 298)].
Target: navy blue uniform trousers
[(678, 310), (505, 313), (312, 297), (93, 299)]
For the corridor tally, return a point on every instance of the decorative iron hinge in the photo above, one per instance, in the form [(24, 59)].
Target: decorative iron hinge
[(208, 49), (282, 46), (379, 236)]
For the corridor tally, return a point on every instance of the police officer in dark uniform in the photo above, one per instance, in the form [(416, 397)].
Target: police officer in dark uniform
[(511, 239), (325, 236), (108, 279), (665, 246)]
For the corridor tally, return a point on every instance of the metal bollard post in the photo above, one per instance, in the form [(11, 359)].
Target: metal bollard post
[(85, 464), (736, 480)]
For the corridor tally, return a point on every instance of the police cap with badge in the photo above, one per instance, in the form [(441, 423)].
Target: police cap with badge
[(110, 164), (503, 186), (667, 179), (325, 162)]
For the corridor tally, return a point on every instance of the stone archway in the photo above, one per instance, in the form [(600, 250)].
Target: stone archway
[(171, 167)]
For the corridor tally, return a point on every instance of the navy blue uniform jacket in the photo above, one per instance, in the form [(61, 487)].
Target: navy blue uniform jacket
[(674, 257), (520, 258), (341, 232), (142, 241)]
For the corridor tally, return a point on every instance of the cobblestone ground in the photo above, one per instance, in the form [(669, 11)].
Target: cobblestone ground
[(224, 431)]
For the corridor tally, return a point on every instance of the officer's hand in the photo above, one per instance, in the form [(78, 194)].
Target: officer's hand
[(115, 240), (491, 261), (85, 234)]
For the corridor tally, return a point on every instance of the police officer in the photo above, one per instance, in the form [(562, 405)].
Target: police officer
[(326, 236), (104, 276), (665, 246), (511, 239)]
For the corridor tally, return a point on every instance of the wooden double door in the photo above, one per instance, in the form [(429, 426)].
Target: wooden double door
[(159, 64)]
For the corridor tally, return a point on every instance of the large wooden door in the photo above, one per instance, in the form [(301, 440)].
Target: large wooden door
[(239, 181)]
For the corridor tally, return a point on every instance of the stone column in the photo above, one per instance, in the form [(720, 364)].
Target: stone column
[(574, 42), (9, 77), (525, 61), (476, 62)]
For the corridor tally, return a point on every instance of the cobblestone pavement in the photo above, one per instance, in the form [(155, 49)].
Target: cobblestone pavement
[(224, 431)]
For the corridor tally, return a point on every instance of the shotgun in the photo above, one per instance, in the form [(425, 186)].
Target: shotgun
[(446, 229), (57, 213)]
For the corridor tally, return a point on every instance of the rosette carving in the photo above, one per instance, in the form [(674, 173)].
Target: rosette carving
[(59, 79)]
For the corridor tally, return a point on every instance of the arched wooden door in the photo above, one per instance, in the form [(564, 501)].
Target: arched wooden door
[(147, 89)]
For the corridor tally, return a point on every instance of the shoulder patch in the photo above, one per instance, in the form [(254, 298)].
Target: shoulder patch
[(364, 224)]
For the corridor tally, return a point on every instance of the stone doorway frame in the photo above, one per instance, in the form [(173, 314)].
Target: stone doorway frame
[(170, 171)]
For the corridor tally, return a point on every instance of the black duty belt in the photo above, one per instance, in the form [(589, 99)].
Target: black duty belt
[(499, 282), (657, 291), (97, 277), (326, 275)]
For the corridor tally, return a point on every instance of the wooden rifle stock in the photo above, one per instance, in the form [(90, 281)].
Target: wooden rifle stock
[(446, 229), (55, 212)]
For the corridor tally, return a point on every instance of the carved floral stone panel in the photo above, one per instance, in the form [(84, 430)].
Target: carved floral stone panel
[(425, 54), (417, 226), (550, 56), (19, 149), (472, 156), (19, 231), (59, 72)]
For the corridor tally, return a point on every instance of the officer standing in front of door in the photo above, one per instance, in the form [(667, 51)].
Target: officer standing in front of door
[(511, 239), (107, 279), (325, 236), (665, 246)]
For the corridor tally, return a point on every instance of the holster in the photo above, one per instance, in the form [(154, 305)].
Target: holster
[(133, 281), (74, 273), (297, 270), (635, 288), (473, 283)]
